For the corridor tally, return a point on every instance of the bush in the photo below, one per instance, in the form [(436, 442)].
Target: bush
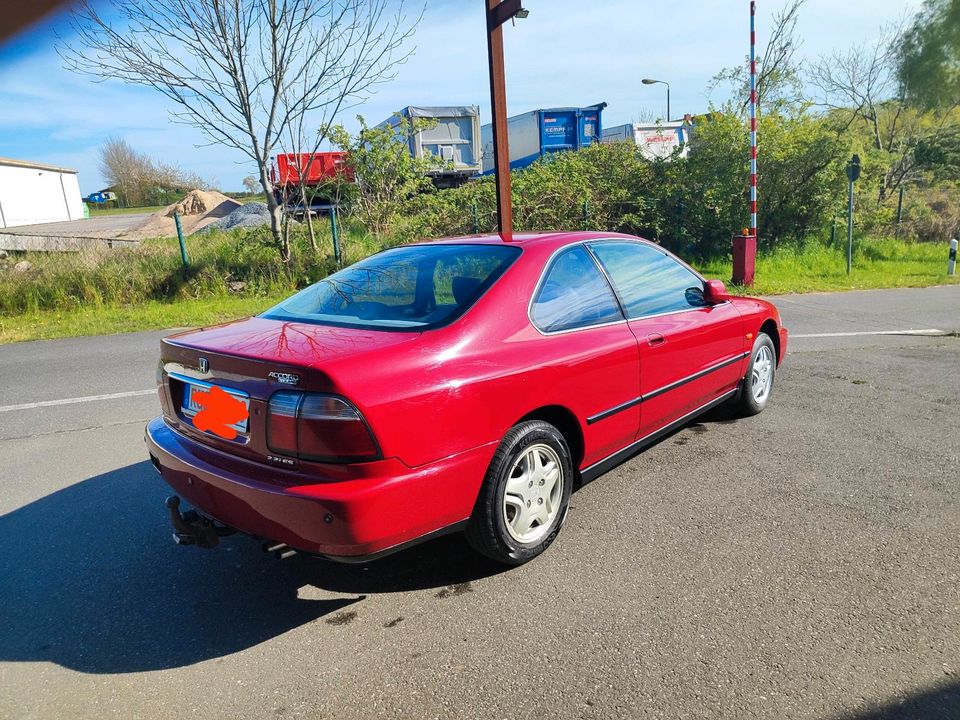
[(932, 215), (613, 181), (693, 205)]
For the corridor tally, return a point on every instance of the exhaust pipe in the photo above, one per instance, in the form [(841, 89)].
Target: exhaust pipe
[(281, 551)]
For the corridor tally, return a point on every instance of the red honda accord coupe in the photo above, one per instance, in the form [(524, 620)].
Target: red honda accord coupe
[(465, 384)]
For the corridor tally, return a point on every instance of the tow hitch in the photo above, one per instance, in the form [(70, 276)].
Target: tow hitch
[(191, 528)]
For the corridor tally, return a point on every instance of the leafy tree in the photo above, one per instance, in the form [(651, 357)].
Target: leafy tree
[(929, 55), (693, 204), (251, 184), (387, 175)]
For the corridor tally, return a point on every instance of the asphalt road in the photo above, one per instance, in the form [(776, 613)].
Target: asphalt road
[(801, 564)]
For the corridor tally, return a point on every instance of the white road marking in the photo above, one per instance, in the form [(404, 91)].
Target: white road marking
[(931, 332), (73, 401)]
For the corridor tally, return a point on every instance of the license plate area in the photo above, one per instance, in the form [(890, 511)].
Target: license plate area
[(189, 407)]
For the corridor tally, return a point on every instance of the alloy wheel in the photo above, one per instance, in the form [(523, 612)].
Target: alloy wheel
[(761, 377), (533, 493)]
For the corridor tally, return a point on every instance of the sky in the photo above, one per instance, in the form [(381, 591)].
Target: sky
[(567, 52)]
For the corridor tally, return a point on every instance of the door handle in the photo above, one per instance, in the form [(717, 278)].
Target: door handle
[(655, 339)]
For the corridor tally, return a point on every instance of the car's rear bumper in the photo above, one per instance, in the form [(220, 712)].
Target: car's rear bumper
[(388, 506), (784, 333)]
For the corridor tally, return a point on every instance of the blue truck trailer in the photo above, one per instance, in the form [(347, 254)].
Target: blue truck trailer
[(538, 132), (452, 138)]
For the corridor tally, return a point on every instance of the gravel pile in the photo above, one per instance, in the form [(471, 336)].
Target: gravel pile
[(254, 214)]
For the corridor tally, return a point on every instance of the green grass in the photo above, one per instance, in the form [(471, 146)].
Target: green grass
[(110, 291), (100, 212), (109, 320), (877, 263)]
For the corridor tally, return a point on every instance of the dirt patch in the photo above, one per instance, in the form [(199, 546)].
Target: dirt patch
[(197, 210), (342, 618), (455, 590), (200, 202)]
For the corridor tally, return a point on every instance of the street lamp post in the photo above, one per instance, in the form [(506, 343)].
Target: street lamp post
[(650, 81), (498, 12)]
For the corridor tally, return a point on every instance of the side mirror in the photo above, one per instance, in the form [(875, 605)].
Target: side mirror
[(715, 292)]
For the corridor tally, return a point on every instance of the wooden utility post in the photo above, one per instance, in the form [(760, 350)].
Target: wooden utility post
[(498, 12)]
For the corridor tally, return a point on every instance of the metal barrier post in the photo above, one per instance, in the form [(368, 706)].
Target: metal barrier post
[(183, 247), (335, 234), (744, 259), (899, 214)]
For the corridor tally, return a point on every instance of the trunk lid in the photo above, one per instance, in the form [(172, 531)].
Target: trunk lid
[(252, 359)]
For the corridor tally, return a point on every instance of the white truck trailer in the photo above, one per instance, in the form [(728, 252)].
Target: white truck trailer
[(656, 141)]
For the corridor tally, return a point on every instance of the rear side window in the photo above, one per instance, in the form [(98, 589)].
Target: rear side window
[(574, 294), (413, 287), (648, 281)]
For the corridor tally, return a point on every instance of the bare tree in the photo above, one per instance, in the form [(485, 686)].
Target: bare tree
[(858, 81), (251, 184), (242, 70), (778, 70), (123, 169), (137, 177)]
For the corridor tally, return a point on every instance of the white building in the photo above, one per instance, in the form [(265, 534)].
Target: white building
[(32, 193)]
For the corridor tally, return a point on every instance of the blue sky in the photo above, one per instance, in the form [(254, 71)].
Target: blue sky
[(568, 52)]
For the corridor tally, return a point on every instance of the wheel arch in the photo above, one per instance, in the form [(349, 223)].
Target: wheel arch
[(564, 421), (769, 327)]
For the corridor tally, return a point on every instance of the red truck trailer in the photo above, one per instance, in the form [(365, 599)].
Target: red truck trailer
[(318, 169)]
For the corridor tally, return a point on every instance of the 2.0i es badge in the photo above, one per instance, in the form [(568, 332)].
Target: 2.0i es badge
[(464, 384)]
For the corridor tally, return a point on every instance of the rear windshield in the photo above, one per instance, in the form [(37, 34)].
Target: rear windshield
[(413, 287)]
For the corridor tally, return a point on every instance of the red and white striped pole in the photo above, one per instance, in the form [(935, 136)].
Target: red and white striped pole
[(753, 119), (745, 246)]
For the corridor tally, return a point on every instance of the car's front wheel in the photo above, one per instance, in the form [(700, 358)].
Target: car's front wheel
[(758, 382), (525, 494)]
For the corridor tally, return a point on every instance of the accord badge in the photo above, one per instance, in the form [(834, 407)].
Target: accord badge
[(284, 378)]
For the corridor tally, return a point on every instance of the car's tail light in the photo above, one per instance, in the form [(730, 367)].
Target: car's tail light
[(282, 422), (320, 428)]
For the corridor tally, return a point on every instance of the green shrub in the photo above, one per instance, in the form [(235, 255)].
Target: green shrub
[(693, 205)]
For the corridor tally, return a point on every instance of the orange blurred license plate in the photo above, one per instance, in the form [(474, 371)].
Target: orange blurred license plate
[(191, 407)]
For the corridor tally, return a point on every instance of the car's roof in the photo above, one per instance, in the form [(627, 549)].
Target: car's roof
[(527, 239)]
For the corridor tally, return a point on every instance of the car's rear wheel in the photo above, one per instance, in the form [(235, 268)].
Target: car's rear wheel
[(525, 494), (758, 382)]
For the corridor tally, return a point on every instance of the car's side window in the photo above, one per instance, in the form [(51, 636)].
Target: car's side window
[(647, 280), (574, 294)]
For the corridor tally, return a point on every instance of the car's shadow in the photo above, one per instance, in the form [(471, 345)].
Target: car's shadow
[(91, 580)]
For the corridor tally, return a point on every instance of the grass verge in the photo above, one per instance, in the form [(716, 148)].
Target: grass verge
[(235, 274), (109, 320), (100, 212), (817, 267)]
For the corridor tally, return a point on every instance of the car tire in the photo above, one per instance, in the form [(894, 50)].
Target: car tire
[(525, 495), (757, 385)]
